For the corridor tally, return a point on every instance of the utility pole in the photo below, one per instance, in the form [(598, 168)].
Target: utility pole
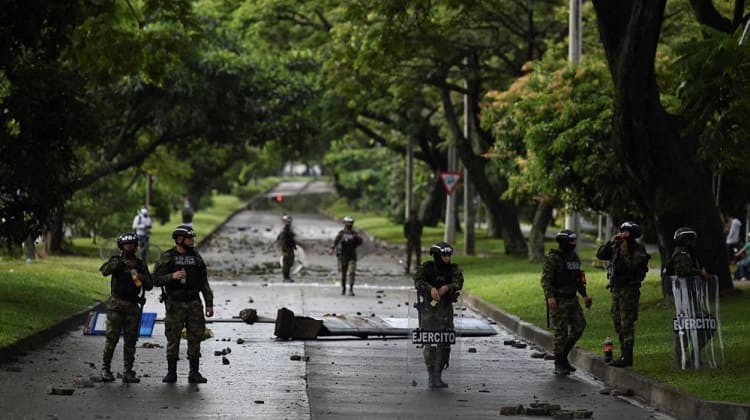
[(469, 210), (574, 57), (450, 201), (409, 178)]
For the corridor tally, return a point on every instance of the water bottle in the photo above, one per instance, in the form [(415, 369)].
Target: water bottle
[(608, 349), (134, 275)]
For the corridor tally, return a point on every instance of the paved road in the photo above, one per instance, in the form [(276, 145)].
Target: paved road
[(343, 378)]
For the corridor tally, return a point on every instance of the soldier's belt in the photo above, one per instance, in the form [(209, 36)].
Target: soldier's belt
[(183, 297)]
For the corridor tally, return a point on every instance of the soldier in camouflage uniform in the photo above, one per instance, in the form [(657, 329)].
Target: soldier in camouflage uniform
[(182, 272), (437, 283), (562, 277), (287, 243), (345, 245), (628, 264), (413, 234), (130, 278)]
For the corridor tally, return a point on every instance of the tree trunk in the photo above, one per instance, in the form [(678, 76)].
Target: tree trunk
[(542, 219), (503, 212), (432, 207), (53, 238), (671, 184)]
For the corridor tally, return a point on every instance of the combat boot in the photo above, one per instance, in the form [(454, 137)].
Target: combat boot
[(431, 377), (171, 376), (627, 357), (566, 362), (439, 378), (561, 367), (195, 377), (107, 375), (351, 290), (129, 377)]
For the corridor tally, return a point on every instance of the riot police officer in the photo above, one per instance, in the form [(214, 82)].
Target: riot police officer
[(182, 272), (345, 244), (437, 283), (628, 264), (130, 279), (287, 242), (562, 278)]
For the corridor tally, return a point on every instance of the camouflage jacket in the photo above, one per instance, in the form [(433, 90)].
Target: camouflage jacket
[(122, 285), (195, 283), (624, 269), (346, 244), (428, 276), (684, 263), (286, 239), (562, 275)]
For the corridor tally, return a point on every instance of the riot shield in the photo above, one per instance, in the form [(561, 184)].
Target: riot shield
[(433, 347), (696, 325)]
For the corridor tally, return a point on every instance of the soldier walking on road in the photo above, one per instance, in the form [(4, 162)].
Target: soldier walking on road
[(287, 242), (437, 283), (182, 272), (142, 227), (413, 234), (628, 265), (562, 277), (345, 245), (130, 279)]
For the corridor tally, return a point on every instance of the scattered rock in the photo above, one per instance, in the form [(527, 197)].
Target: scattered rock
[(583, 414), (605, 391), (380, 301), (224, 360), (562, 415), (51, 390), (218, 352), (472, 349), (240, 341), (549, 357), (538, 355), (259, 402), (413, 382), (296, 357), (519, 345), (509, 342), (511, 410)]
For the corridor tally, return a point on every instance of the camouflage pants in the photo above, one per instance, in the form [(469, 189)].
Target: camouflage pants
[(413, 247), (190, 316), (625, 312), (126, 317), (348, 267), (287, 261), (568, 324), (437, 319)]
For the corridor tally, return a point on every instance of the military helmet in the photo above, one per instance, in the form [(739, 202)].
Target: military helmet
[(348, 220), (184, 231), (127, 238), (685, 234), (441, 248), (633, 228), (566, 235), (286, 219)]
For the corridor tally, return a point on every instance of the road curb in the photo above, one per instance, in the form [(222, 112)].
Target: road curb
[(43, 336), (654, 393)]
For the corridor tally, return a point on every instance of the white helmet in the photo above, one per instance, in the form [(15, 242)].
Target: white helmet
[(348, 220), (286, 219)]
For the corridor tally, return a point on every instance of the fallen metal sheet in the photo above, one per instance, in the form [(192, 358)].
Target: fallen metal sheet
[(361, 326)]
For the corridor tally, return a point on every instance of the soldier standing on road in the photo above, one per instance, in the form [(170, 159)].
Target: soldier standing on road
[(628, 265), (562, 277), (413, 234), (182, 272), (287, 243), (437, 283), (345, 245), (130, 279)]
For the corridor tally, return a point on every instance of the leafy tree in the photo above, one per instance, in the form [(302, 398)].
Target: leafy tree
[(672, 182)]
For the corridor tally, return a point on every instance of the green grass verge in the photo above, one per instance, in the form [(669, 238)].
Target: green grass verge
[(514, 285), (37, 295)]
